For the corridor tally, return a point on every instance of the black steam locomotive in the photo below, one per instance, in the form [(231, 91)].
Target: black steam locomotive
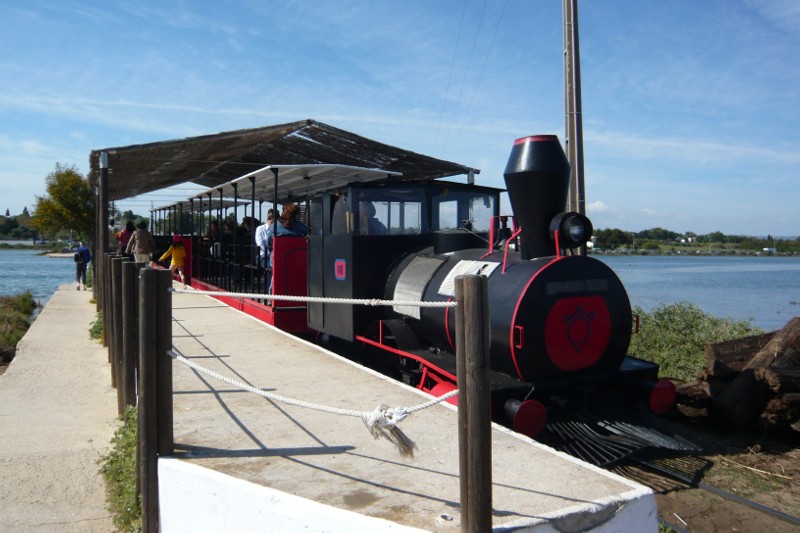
[(560, 321)]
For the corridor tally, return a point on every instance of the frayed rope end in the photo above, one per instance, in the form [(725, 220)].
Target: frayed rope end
[(382, 422)]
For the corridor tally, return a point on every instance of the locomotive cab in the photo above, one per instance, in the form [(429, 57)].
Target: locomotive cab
[(361, 232)]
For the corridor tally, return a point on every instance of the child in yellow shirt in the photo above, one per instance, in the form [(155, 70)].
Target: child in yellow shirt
[(178, 253)]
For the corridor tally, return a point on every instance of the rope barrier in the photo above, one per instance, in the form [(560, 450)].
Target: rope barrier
[(381, 422), (317, 299)]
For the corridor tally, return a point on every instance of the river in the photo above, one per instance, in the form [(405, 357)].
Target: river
[(29, 270), (764, 290)]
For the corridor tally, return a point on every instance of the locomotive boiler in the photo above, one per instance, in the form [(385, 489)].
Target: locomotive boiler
[(560, 321)]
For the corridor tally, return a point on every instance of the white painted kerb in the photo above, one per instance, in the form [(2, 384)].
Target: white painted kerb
[(195, 499), (192, 498)]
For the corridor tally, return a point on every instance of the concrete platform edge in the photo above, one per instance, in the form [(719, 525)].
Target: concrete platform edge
[(193, 498)]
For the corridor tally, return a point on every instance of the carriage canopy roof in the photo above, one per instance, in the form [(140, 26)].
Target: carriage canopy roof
[(300, 181), (214, 160)]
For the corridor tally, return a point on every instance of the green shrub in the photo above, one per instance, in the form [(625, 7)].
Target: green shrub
[(119, 470), (15, 319), (675, 336), (22, 303), (96, 329)]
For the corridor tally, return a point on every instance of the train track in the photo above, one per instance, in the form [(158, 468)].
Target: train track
[(631, 445), (681, 472)]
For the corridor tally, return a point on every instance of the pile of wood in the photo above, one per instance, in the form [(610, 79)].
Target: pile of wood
[(750, 381)]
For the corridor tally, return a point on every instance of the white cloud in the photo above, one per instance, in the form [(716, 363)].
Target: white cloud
[(597, 206)]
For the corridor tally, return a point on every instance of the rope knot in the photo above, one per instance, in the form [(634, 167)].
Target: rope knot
[(382, 422)]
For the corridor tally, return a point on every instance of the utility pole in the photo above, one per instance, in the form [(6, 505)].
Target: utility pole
[(573, 109)]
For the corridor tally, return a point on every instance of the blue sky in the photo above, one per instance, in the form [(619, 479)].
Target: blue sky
[(691, 109)]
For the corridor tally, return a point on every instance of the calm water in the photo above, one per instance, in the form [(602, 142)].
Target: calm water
[(765, 290), (26, 270)]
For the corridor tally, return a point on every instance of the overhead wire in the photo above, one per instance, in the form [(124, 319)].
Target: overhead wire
[(450, 73), (480, 73), (469, 59)]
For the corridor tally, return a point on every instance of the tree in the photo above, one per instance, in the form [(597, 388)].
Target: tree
[(68, 206), (716, 236), (612, 238), (8, 214), (657, 234), (7, 225)]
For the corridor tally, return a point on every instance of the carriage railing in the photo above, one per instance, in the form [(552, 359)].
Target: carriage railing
[(229, 266)]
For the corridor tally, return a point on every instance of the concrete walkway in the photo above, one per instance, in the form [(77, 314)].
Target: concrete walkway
[(58, 413)]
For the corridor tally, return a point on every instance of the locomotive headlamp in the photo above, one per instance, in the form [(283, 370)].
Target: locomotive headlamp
[(570, 230)]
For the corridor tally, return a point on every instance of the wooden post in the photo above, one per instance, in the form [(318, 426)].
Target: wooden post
[(155, 403), (474, 409), (163, 322), (107, 311), (130, 329), (116, 328)]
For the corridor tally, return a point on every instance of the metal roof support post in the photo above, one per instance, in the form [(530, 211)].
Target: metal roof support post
[(102, 228), (211, 213), (237, 274), (275, 194), (223, 246), (214, 259), (253, 262), (195, 221)]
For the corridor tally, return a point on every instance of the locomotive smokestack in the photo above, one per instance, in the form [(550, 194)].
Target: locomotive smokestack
[(537, 179)]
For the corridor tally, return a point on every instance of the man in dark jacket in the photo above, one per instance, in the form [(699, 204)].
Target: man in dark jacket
[(82, 259)]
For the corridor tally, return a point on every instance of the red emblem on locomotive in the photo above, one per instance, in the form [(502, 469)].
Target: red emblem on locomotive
[(577, 332)]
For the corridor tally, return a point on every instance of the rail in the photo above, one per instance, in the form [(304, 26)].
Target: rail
[(142, 350)]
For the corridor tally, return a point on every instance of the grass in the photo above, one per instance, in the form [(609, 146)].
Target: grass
[(118, 468), (729, 475), (675, 336), (15, 319), (96, 328)]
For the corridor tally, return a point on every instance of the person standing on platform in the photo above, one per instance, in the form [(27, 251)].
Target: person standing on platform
[(141, 244), (113, 242), (82, 258), (124, 237)]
